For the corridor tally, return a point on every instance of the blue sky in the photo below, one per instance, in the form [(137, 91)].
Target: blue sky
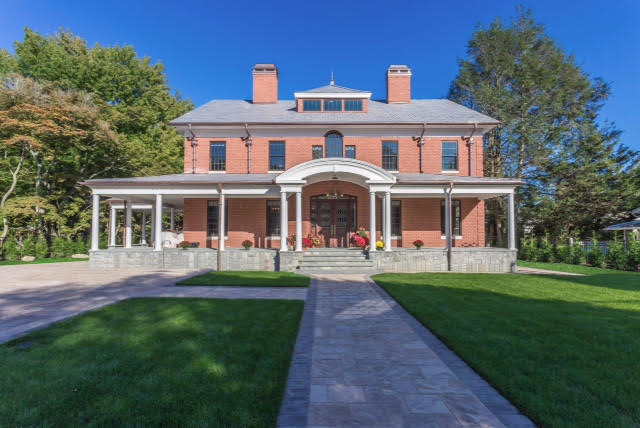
[(208, 48)]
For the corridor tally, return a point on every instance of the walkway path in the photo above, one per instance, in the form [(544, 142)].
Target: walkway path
[(34, 296), (536, 271), (362, 360)]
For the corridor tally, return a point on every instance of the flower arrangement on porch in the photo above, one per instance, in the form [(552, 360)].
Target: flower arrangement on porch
[(184, 245), (418, 244), (379, 245), (360, 239), (247, 244), (311, 241)]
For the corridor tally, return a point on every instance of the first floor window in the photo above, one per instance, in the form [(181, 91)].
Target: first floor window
[(213, 219), (350, 152), (396, 218), (456, 217), (218, 156), (276, 156), (273, 218), (317, 152), (390, 155), (449, 155), (311, 105)]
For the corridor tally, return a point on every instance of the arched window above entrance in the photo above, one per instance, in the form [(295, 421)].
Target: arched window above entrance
[(333, 145)]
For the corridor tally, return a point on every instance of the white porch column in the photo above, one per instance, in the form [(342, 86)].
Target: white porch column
[(387, 221), (372, 220), (127, 224), (172, 219), (143, 229), (299, 220), (113, 225), (512, 222), (284, 220), (153, 221), (221, 222), (157, 229), (95, 223)]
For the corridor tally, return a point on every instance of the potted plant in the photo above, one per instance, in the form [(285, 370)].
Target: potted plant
[(418, 244), (247, 244), (379, 245)]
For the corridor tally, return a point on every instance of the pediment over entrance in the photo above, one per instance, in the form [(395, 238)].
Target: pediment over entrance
[(344, 169)]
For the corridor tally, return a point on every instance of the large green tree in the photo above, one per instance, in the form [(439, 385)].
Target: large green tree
[(132, 93), (576, 171)]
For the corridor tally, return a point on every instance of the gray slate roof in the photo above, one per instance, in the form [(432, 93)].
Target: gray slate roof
[(221, 112), (209, 179), (335, 89)]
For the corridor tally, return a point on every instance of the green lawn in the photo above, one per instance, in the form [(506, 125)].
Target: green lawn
[(563, 267), (249, 279), (153, 362), (38, 261), (565, 350)]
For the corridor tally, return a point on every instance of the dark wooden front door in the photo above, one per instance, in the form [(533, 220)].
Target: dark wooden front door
[(333, 219)]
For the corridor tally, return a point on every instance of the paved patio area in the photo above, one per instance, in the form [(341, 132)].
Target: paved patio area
[(34, 296), (361, 360)]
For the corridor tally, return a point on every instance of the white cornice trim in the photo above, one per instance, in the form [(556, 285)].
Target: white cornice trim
[(339, 95)]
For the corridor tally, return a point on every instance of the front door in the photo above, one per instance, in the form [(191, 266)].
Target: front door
[(333, 219)]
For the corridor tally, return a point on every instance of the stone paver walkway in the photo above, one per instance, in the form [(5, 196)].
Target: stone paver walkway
[(536, 271), (361, 360), (34, 296)]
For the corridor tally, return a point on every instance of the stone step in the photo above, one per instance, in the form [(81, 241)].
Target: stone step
[(336, 263), (333, 269), (336, 258), (317, 252)]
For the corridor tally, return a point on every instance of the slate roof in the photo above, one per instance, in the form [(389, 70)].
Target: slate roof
[(629, 225), (437, 111), (334, 89), (209, 179)]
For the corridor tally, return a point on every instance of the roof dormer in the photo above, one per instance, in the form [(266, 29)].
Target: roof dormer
[(332, 99)]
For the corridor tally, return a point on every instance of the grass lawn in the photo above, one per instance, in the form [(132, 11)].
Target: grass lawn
[(564, 267), (565, 350), (249, 279), (38, 261), (153, 362)]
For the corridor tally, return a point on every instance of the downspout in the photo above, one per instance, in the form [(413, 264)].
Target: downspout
[(470, 141), (194, 147), (248, 142), (420, 141), (450, 228)]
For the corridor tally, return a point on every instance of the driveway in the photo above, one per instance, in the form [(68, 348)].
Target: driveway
[(33, 296)]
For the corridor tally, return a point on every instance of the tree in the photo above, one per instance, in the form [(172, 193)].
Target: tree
[(548, 135), (131, 92)]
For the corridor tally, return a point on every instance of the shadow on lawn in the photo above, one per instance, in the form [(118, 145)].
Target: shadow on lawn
[(629, 281), (153, 362), (559, 361)]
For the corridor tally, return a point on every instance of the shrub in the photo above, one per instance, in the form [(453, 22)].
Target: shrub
[(247, 244), (69, 247), (633, 256), (28, 247), (546, 250), (528, 250), (616, 259), (42, 249), (576, 255), (79, 246), (563, 253), (11, 251), (595, 256), (57, 248)]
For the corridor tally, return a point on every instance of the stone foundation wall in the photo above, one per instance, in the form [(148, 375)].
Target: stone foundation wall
[(494, 260)]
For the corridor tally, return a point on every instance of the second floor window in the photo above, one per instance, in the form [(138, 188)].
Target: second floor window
[(311, 105), (332, 105), (456, 217), (449, 156), (350, 152), (333, 145), (276, 156), (390, 155), (218, 156), (317, 152)]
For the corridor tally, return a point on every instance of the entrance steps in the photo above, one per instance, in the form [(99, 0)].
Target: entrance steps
[(339, 260)]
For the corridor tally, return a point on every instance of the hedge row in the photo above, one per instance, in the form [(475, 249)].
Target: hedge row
[(38, 248)]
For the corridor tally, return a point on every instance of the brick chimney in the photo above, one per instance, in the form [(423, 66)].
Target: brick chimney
[(265, 84), (398, 84)]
